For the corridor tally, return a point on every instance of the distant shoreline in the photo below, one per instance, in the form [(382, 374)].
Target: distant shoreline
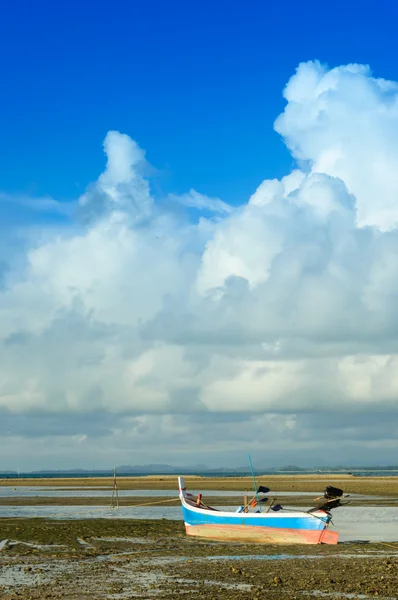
[(70, 475), (175, 471)]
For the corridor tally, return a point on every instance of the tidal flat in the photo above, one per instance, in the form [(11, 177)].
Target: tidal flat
[(121, 558), (98, 559), (382, 486)]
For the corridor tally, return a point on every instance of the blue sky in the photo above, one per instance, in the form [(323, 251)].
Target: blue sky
[(198, 233), (196, 84)]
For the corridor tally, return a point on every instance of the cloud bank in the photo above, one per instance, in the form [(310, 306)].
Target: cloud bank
[(270, 326)]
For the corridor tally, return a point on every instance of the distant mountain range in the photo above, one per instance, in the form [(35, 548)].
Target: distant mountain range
[(163, 469), (155, 469)]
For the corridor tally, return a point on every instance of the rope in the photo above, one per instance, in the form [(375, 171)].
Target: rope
[(149, 503), (99, 508)]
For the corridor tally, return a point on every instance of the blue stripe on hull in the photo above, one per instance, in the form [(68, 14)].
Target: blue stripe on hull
[(266, 520)]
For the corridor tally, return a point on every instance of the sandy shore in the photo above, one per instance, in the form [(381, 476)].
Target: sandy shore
[(383, 486)]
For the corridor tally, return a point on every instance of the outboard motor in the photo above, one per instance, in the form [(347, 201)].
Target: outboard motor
[(332, 496), (332, 492)]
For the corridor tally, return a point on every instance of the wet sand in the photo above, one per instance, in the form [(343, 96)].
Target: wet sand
[(121, 559), (383, 486)]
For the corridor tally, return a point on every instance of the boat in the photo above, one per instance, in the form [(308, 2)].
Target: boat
[(274, 525)]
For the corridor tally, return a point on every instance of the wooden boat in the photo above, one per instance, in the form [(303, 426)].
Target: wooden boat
[(274, 526)]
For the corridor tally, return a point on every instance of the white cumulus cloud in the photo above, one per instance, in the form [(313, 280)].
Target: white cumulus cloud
[(343, 122), (233, 326)]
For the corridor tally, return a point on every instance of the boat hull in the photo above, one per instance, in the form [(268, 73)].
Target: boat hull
[(281, 527), (262, 535)]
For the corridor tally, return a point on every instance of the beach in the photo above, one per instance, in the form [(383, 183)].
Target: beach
[(121, 558)]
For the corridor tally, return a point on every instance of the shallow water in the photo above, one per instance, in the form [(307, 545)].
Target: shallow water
[(54, 492), (319, 593), (15, 576), (377, 524), (38, 492), (93, 492)]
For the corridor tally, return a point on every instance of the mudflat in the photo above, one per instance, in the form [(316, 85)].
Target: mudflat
[(125, 559)]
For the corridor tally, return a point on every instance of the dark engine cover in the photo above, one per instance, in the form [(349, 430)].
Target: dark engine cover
[(332, 492)]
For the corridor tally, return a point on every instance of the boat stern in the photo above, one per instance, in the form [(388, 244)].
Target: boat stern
[(329, 537)]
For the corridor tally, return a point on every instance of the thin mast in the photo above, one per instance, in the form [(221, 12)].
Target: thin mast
[(255, 484)]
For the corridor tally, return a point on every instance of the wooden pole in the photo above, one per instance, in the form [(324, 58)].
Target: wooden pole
[(115, 492)]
